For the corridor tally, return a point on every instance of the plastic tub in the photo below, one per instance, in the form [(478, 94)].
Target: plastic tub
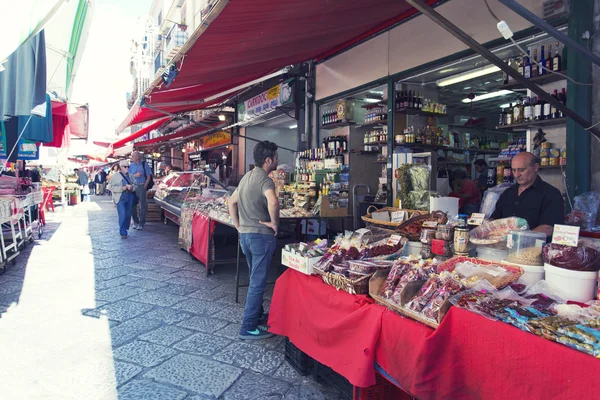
[(489, 253), (532, 274), (414, 249), (576, 285), (525, 247)]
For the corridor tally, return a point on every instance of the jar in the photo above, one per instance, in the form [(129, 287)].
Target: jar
[(545, 161), (461, 240), (426, 252), (427, 235), (500, 174), (546, 145), (441, 248), (554, 161), (444, 232)]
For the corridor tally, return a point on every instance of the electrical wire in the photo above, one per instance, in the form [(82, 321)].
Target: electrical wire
[(491, 12)]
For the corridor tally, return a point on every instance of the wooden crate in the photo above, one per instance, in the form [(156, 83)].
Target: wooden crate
[(153, 212)]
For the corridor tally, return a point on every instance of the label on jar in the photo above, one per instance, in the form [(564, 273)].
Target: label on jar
[(547, 109), (437, 246)]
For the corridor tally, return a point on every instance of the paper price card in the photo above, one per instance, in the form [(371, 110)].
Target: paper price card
[(565, 234), (476, 219)]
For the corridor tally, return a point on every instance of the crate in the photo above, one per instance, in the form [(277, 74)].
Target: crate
[(381, 390), (299, 360), (324, 374), (153, 214)]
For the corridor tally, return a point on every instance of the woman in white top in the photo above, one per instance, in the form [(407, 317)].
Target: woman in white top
[(121, 187)]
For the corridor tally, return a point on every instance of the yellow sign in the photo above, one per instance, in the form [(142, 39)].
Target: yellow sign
[(216, 139)]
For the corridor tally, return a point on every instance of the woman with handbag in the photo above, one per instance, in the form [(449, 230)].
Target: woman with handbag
[(121, 187)]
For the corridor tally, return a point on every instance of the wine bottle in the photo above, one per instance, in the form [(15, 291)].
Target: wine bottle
[(541, 70), (556, 61), (521, 67), (549, 60), (505, 74), (527, 110), (534, 66), (527, 67), (537, 109)]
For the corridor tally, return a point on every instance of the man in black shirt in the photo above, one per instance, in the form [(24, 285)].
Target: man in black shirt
[(540, 203)]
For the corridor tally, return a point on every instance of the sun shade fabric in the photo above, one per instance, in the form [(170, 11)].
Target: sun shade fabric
[(140, 133), (250, 39), (189, 131), (79, 122)]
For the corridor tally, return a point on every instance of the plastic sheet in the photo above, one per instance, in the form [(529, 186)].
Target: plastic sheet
[(580, 258)]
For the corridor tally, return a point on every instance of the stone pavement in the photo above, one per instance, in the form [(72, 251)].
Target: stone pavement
[(87, 315)]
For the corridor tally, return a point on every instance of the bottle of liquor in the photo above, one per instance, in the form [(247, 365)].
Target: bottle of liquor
[(416, 101), (556, 61), (534, 66), (541, 70), (518, 112), (502, 119), (521, 67), (406, 99), (553, 110), (562, 97), (505, 74), (527, 111), (537, 109), (527, 67), (509, 115), (546, 113), (420, 101), (549, 60)]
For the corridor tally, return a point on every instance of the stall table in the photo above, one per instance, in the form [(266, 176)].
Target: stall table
[(467, 357)]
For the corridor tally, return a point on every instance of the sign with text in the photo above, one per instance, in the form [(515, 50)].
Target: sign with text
[(216, 139), (565, 234), (266, 102)]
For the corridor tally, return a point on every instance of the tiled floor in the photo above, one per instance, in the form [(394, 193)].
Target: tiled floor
[(87, 315)]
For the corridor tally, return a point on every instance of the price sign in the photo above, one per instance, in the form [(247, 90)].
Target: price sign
[(430, 224), (394, 240), (565, 234), (476, 219)]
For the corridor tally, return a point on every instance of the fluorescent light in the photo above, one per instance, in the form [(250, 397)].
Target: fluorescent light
[(469, 75), (488, 96), (372, 100), (222, 117), (506, 105), (293, 126)]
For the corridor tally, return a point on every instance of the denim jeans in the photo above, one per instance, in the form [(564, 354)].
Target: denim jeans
[(258, 249), (124, 207)]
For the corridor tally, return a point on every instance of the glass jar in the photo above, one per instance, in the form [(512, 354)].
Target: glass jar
[(444, 232), (427, 235), (461, 240)]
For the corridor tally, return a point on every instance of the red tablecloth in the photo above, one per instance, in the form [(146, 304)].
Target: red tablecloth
[(200, 244), (471, 357), (333, 327), (467, 357)]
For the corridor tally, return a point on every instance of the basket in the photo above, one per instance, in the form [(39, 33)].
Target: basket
[(376, 284), (389, 256), (415, 235), (498, 283), (298, 360), (327, 375), (340, 282), (389, 225)]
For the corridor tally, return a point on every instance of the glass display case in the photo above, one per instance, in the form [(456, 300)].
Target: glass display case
[(176, 187)]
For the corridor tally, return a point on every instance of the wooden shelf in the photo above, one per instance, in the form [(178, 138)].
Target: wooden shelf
[(338, 125), (539, 80), (534, 124)]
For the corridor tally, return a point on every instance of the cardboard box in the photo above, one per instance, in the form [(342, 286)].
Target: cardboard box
[(299, 263), (332, 212)]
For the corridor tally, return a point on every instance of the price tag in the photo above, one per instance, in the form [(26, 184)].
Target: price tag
[(476, 219), (362, 231), (437, 246), (430, 224), (394, 240), (565, 234), (398, 216)]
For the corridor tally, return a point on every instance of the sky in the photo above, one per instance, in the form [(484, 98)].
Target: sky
[(103, 77)]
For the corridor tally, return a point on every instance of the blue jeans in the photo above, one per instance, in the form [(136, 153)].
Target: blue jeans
[(258, 249), (124, 207)]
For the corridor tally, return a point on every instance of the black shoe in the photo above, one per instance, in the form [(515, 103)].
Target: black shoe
[(257, 334), (264, 320)]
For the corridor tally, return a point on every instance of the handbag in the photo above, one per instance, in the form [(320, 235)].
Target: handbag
[(151, 182), (135, 197)]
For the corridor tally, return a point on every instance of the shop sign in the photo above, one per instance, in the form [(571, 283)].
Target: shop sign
[(266, 102), (216, 139)]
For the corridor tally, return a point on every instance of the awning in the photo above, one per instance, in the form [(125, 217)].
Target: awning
[(79, 121), (140, 133), (194, 130), (244, 40)]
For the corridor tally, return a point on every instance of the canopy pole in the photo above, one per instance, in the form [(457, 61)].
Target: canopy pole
[(492, 58)]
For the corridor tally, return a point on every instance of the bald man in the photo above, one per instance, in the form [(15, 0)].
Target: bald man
[(540, 203)]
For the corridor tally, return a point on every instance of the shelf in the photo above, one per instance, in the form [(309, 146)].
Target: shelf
[(365, 153), (435, 147), (338, 125), (539, 80), (553, 167), (374, 123), (412, 111), (373, 105), (534, 124)]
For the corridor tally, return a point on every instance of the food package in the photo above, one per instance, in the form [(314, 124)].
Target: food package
[(399, 269), (473, 273), (426, 292), (450, 287), (580, 258), (549, 326), (490, 198), (496, 231), (586, 205), (415, 274), (544, 296)]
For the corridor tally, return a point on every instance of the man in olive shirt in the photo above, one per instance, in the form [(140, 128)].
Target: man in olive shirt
[(540, 203), (254, 209)]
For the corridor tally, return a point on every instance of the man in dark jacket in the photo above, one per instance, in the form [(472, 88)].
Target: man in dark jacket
[(82, 181), (100, 182)]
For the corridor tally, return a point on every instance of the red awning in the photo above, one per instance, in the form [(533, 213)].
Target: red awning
[(140, 133), (251, 39), (189, 131), (79, 122), (102, 144)]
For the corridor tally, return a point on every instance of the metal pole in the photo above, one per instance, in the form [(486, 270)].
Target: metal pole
[(491, 57), (549, 29)]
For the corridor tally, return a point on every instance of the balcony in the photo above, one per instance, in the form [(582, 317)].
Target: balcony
[(175, 39)]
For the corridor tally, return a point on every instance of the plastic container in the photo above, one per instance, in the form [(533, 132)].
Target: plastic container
[(576, 285), (491, 253), (414, 248), (532, 274), (525, 247)]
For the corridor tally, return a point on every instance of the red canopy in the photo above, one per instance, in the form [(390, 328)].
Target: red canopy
[(250, 39), (189, 131), (140, 133)]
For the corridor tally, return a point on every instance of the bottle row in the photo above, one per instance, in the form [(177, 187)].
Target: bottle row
[(412, 100), (376, 114), (374, 136), (532, 109), (530, 67), (334, 145), (330, 118)]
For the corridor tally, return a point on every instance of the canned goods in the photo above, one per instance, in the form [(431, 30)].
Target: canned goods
[(545, 161), (461, 240)]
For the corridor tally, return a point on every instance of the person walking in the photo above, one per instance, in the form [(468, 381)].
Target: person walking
[(254, 210), (100, 181), (141, 173), (122, 189), (82, 181)]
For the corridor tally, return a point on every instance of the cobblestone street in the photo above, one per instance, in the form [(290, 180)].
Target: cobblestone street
[(87, 315)]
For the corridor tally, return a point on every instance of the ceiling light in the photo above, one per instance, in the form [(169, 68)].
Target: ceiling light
[(293, 126), (467, 88), (183, 150), (372, 100), (490, 95), (222, 117), (505, 105), (469, 75), (445, 71)]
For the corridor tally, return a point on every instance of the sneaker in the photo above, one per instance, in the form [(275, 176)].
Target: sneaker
[(134, 226), (263, 321), (257, 334), (139, 227)]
